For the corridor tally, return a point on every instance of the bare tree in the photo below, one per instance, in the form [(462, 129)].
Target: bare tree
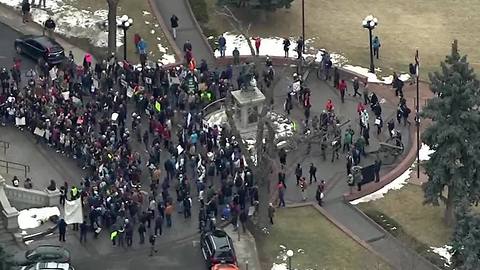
[(112, 25)]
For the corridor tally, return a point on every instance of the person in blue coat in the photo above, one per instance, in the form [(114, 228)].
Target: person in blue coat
[(222, 45), (376, 46)]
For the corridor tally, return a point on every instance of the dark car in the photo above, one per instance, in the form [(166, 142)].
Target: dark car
[(43, 253), (40, 47), (217, 247)]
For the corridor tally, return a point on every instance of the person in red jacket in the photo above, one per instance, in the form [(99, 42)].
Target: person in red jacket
[(360, 108), (329, 106), (258, 41), (342, 87)]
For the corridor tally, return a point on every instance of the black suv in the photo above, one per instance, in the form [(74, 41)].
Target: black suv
[(217, 247), (40, 47), (43, 253)]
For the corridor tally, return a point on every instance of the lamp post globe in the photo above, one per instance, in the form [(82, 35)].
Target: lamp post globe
[(370, 22), (289, 255), (124, 24)]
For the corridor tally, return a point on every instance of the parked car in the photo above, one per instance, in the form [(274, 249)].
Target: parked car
[(40, 47), (43, 253), (217, 248), (48, 266), (223, 266)]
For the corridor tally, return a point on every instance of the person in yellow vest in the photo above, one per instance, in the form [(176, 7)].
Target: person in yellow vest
[(74, 193), (113, 237)]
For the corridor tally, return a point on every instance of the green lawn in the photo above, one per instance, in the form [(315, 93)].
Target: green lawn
[(403, 27), (403, 214), (322, 244), (405, 206)]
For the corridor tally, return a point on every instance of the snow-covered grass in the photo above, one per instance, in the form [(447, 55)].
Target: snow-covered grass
[(444, 252), (86, 19), (71, 21), (273, 46), (34, 217)]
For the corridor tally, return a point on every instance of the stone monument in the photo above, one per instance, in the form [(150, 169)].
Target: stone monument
[(9, 213), (248, 103)]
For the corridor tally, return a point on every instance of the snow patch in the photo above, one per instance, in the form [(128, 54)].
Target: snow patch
[(444, 252), (34, 217), (145, 13), (72, 21), (279, 266), (425, 152), (273, 46), (394, 185)]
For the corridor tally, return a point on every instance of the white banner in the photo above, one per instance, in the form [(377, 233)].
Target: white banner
[(73, 211)]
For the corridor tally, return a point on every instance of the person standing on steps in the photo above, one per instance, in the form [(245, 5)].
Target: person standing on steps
[(376, 46), (174, 25)]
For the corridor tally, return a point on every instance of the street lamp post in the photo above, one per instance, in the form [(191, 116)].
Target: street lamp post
[(289, 255), (303, 25), (125, 23), (370, 23)]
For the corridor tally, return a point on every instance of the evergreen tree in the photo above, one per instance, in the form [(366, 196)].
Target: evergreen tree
[(466, 240), (5, 259), (453, 134)]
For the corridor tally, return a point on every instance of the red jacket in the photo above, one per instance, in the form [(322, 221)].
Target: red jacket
[(342, 86)]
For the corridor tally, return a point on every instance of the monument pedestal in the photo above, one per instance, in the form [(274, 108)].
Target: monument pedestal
[(248, 106)]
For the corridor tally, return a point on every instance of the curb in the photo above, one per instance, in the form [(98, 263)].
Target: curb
[(199, 28), (166, 31)]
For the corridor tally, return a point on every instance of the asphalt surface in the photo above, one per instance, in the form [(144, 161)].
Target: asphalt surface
[(7, 51)]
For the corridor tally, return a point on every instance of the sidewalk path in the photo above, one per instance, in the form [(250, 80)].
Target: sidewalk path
[(187, 29)]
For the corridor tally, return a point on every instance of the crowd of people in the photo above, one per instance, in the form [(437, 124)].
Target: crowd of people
[(139, 133)]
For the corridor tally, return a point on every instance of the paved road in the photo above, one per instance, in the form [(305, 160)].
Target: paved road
[(8, 35)]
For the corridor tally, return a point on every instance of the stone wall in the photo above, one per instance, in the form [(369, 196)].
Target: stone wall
[(23, 198)]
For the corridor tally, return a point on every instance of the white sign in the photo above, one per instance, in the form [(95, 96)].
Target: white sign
[(73, 211), (148, 80), (20, 121), (129, 92)]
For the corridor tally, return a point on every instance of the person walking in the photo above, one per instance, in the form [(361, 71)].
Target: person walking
[(342, 87), (62, 230), (356, 86), (168, 214), (141, 232), (26, 11), (158, 225), (281, 194), (286, 46), (313, 173), (347, 140), (258, 42), (243, 220), (379, 124), (49, 27), (152, 245), (319, 195), (174, 25), (298, 173), (376, 167), (83, 232), (129, 234), (303, 188), (271, 212), (300, 45), (376, 46), (222, 45)]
